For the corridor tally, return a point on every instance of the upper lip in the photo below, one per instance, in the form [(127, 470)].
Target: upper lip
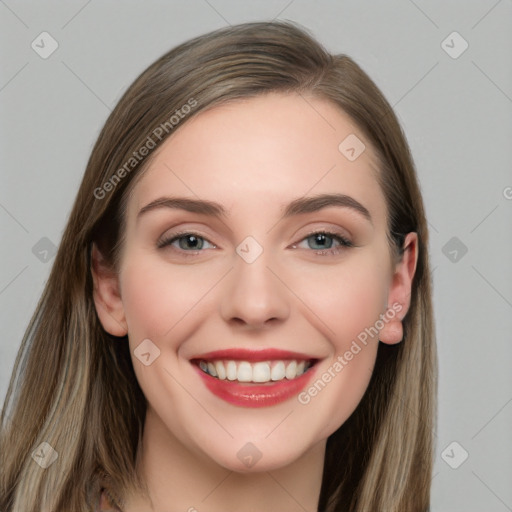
[(253, 355)]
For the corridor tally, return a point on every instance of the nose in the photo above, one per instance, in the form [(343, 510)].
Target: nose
[(254, 295)]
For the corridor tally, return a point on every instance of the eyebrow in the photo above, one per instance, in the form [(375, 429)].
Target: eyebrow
[(298, 206)]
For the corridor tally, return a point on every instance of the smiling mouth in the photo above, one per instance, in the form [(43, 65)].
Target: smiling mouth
[(257, 372), (255, 378)]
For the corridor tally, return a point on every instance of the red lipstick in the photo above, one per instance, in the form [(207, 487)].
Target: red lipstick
[(250, 394)]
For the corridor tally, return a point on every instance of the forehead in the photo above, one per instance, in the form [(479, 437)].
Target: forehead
[(261, 153)]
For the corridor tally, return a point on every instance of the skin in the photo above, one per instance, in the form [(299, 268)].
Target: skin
[(253, 157)]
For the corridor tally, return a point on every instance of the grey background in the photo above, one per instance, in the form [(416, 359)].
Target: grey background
[(456, 113)]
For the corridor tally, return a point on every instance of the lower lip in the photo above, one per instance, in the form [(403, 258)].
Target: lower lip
[(249, 395)]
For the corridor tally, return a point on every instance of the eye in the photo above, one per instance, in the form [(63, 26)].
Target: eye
[(324, 241), (187, 242)]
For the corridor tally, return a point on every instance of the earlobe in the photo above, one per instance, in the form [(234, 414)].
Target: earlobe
[(400, 292), (392, 332), (106, 295)]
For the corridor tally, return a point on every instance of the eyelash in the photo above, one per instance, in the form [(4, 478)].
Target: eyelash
[(344, 242)]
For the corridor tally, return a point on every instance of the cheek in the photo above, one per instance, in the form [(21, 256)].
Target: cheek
[(148, 301), (346, 298), (158, 295)]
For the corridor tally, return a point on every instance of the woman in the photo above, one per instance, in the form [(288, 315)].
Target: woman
[(200, 351)]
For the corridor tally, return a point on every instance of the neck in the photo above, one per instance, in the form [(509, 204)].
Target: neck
[(188, 481)]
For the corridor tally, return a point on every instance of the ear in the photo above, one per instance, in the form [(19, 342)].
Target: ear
[(399, 297), (107, 297)]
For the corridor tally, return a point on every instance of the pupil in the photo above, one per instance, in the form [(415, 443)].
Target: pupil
[(320, 239), (192, 241)]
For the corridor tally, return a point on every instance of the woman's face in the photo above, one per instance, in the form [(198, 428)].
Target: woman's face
[(255, 295)]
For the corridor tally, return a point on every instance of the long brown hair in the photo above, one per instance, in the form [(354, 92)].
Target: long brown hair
[(73, 385)]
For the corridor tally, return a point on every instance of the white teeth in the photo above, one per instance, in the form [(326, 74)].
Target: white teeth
[(231, 372), (291, 370), (221, 371), (262, 371), (278, 371), (244, 372)]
